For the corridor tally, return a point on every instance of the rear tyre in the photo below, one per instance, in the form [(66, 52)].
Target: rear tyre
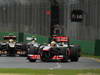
[(32, 60), (75, 55), (74, 59)]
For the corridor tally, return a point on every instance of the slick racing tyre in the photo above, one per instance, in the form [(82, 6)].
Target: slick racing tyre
[(75, 55), (74, 59), (45, 56), (32, 60), (65, 57)]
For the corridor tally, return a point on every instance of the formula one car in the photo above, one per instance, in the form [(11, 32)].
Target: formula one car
[(11, 48), (59, 49)]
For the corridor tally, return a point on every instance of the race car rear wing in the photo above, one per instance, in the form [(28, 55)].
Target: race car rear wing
[(61, 38), (9, 37)]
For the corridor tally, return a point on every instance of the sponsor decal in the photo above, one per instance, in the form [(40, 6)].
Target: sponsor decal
[(34, 56), (58, 57)]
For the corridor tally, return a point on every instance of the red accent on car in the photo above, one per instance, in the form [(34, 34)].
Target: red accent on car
[(45, 49), (34, 56), (9, 37), (61, 38), (34, 48), (57, 57), (69, 52)]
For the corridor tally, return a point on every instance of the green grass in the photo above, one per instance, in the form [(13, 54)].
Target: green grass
[(50, 72), (85, 55)]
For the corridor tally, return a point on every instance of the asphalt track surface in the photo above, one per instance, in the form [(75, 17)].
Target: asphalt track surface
[(21, 62)]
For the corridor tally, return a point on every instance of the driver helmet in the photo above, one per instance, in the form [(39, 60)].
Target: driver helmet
[(34, 38), (53, 43), (11, 40)]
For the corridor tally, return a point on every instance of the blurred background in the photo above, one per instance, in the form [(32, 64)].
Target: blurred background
[(78, 19)]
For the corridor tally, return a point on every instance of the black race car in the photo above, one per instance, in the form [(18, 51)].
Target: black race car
[(11, 48)]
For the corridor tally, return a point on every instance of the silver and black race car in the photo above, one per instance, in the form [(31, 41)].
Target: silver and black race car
[(58, 50), (11, 48)]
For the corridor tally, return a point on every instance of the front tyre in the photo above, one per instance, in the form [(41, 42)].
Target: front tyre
[(45, 56), (65, 57)]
